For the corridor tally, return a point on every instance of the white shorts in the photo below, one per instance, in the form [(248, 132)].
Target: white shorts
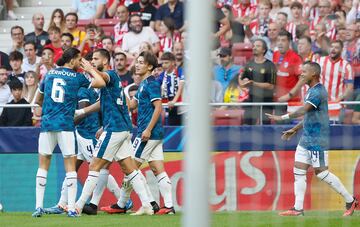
[(314, 158), (114, 145), (85, 148), (65, 139), (151, 150)]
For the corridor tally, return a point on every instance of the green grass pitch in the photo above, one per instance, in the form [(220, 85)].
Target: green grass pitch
[(313, 218)]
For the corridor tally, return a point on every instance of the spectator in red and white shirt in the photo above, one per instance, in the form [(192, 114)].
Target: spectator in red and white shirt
[(336, 73), (297, 14), (244, 9), (121, 28), (288, 70), (259, 26), (324, 12), (167, 35)]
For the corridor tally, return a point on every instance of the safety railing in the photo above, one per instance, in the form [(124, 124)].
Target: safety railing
[(243, 104)]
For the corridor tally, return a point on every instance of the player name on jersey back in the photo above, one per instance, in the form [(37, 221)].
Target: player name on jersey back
[(62, 73)]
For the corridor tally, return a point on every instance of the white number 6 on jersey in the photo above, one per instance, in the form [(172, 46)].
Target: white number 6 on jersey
[(58, 92)]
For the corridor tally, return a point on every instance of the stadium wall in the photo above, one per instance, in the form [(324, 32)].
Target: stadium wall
[(251, 169)]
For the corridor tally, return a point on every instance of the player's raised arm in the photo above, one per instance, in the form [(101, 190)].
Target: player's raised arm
[(99, 80)]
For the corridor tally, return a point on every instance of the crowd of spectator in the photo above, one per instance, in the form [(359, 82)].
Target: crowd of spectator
[(259, 47)]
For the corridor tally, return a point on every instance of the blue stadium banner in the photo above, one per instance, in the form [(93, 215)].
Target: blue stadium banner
[(228, 138)]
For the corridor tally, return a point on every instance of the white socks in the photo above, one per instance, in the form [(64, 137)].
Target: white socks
[(100, 187), (147, 188), (135, 178), (299, 187), (71, 183), (41, 176), (113, 186), (64, 194), (335, 184), (165, 188), (88, 189), (125, 192)]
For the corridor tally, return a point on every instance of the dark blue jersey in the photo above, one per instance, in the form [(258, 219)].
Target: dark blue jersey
[(114, 110), (149, 91), (316, 122), (60, 88), (89, 125)]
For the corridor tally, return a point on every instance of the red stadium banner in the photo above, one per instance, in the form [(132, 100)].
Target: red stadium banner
[(256, 180)]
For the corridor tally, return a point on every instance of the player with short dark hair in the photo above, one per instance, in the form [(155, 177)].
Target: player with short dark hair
[(148, 145), (58, 98), (115, 140), (312, 149)]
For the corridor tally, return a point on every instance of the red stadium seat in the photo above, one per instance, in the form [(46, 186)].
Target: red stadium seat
[(106, 22), (228, 117), (243, 50), (83, 23), (109, 31), (240, 60)]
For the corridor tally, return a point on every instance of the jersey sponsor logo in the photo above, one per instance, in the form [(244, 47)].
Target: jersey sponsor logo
[(286, 64)]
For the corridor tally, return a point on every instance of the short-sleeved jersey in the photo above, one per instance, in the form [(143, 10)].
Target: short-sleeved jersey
[(60, 88), (115, 113), (316, 122), (262, 73), (88, 126), (149, 91), (288, 71), (335, 75)]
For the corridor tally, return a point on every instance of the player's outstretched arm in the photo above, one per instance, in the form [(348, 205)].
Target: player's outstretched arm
[(298, 113), (287, 135)]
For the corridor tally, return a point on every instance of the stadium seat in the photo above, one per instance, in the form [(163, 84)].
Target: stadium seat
[(242, 50), (240, 60), (228, 117), (109, 31), (106, 22), (83, 23)]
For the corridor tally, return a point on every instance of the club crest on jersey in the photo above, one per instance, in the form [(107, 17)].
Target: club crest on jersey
[(42, 42), (286, 64)]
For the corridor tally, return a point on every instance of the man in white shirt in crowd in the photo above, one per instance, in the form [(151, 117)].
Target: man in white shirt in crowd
[(30, 60), (138, 34), (5, 93)]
